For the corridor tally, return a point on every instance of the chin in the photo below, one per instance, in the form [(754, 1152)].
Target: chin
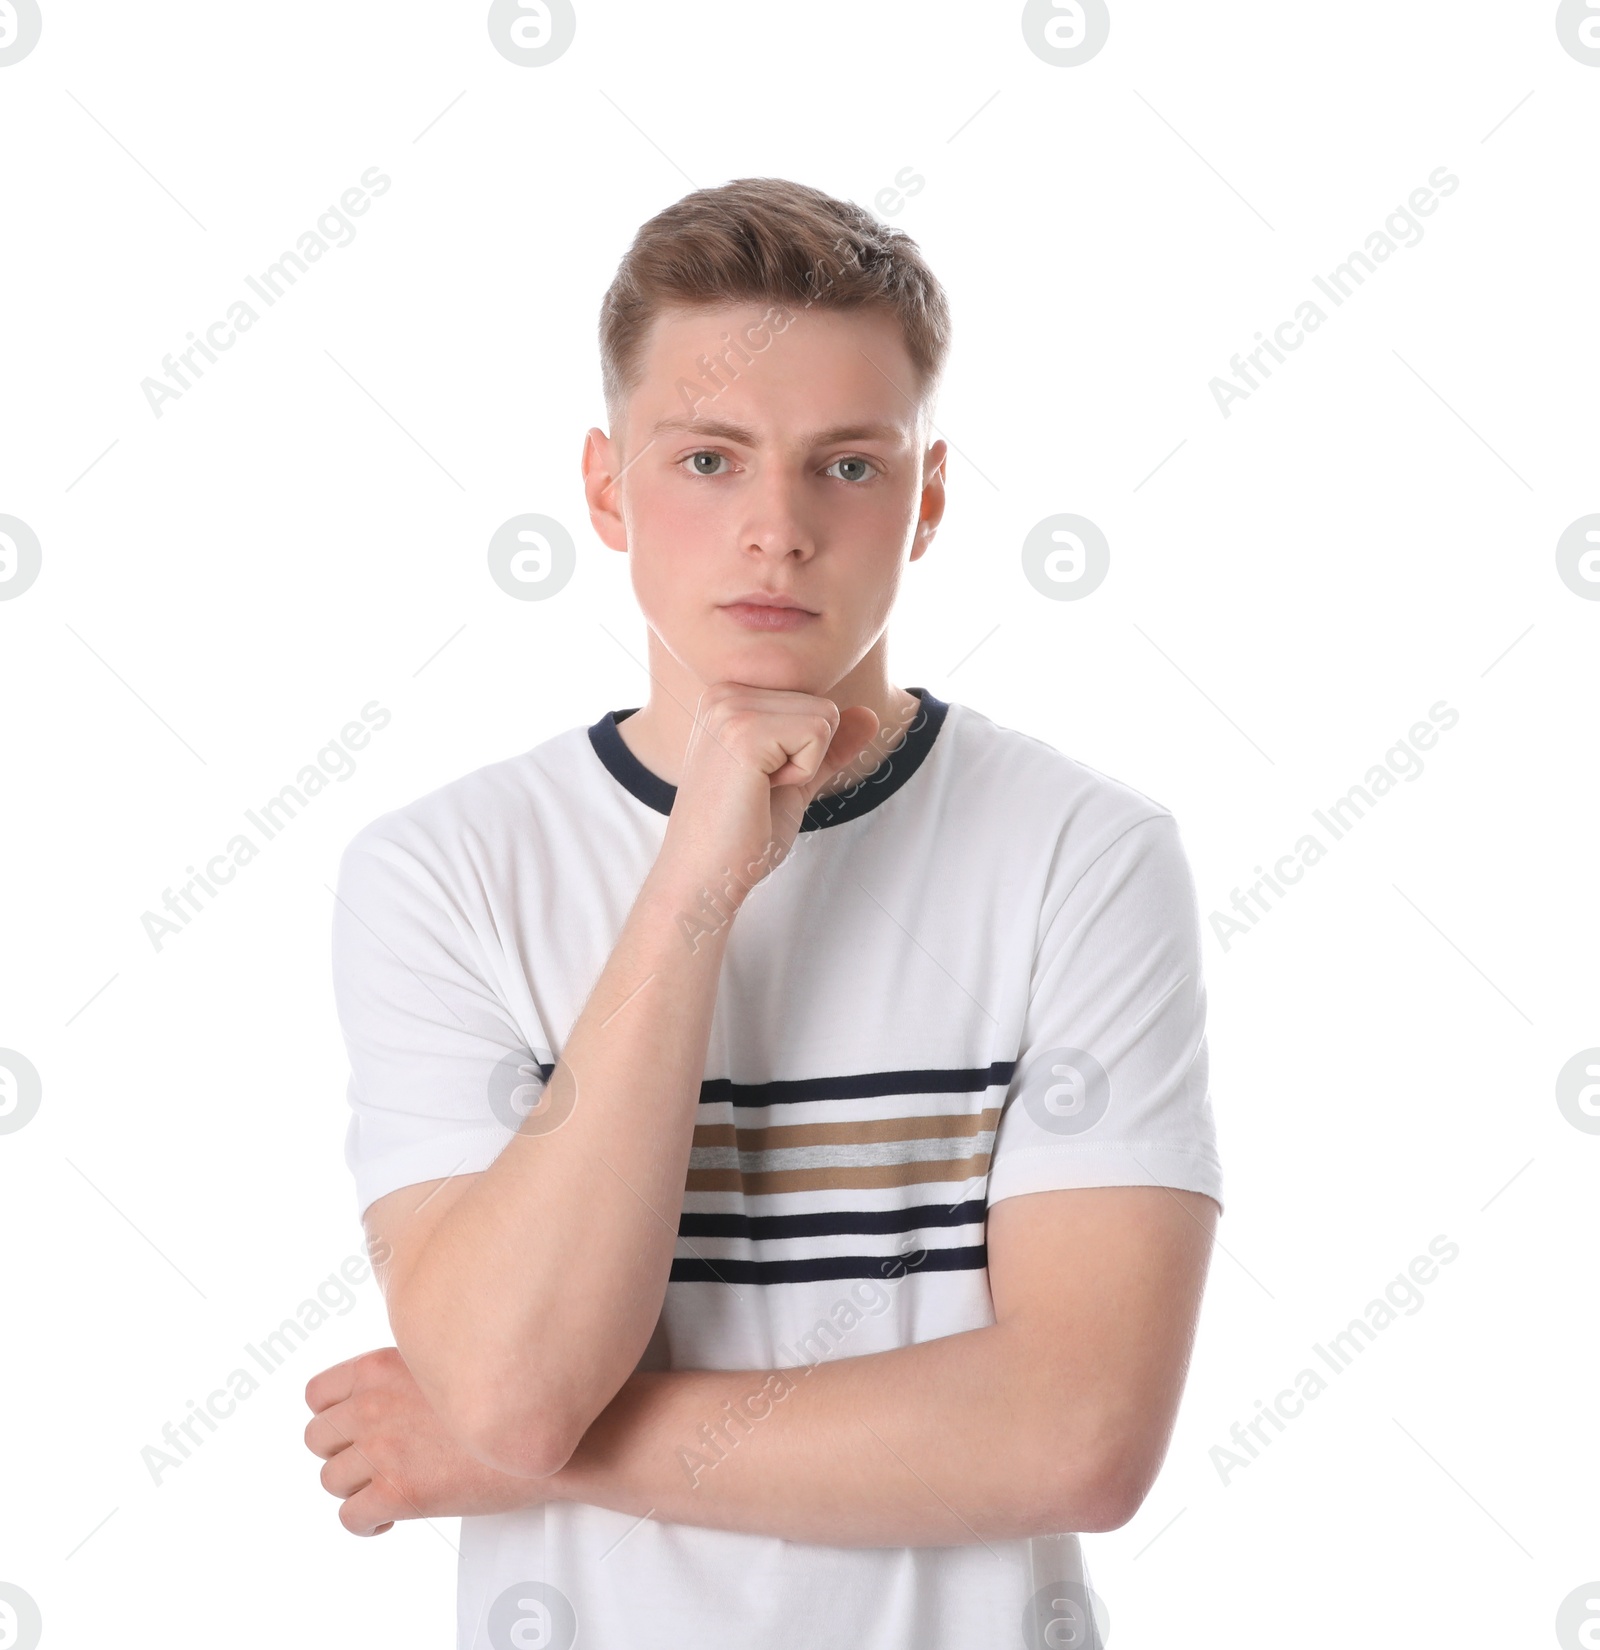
[(764, 666)]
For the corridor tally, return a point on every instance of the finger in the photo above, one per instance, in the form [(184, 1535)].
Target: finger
[(858, 727), (837, 743), (347, 1473), (352, 1472), (333, 1385), (369, 1512), (330, 1431), (802, 746)]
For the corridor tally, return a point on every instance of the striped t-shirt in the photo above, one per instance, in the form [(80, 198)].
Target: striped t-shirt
[(976, 975)]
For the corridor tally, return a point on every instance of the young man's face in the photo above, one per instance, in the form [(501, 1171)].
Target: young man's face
[(803, 475)]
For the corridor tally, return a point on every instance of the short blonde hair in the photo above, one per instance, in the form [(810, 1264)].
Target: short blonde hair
[(768, 240)]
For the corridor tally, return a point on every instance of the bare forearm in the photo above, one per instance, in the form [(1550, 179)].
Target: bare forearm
[(540, 1285), (945, 1443)]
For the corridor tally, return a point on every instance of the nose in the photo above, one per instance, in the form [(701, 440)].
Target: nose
[(777, 522)]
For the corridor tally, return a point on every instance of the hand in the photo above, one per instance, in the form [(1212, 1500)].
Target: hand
[(389, 1457), (756, 757)]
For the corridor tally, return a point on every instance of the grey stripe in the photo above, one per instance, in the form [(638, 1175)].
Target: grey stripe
[(868, 1154)]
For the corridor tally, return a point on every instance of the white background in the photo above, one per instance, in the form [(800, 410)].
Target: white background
[(1291, 587)]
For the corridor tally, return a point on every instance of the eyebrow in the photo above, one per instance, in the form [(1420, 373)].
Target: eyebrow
[(721, 430)]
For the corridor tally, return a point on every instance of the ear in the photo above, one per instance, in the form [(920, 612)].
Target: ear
[(930, 510), (600, 473)]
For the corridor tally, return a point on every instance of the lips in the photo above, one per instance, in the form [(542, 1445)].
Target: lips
[(762, 613), (767, 598)]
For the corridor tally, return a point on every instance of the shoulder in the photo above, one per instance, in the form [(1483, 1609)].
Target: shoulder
[(475, 820), (1023, 782)]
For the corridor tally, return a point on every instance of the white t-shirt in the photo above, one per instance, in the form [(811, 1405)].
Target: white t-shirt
[(977, 975)]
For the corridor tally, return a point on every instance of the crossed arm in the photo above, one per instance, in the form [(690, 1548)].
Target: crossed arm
[(1057, 1417)]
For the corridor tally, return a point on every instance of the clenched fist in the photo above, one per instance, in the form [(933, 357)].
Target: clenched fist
[(388, 1457), (755, 759)]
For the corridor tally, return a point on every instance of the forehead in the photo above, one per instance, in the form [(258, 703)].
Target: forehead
[(770, 367)]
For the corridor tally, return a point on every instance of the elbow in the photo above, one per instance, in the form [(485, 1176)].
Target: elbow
[(494, 1420), (1127, 1473), (520, 1424), (525, 1420), (515, 1442), (1109, 1505), (1088, 1494)]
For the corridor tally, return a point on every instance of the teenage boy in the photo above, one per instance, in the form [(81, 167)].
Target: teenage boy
[(780, 1110)]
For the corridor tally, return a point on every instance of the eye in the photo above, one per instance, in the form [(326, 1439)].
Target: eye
[(866, 465), (693, 458)]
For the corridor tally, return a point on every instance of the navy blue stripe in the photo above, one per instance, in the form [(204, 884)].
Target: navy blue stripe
[(862, 1085), (858, 1085), (885, 1267), (830, 1222)]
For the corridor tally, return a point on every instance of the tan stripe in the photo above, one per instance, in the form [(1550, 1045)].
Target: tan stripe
[(838, 1177), (953, 1126)]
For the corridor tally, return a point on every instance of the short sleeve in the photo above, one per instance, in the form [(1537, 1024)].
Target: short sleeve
[(1110, 1086), (438, 1063)]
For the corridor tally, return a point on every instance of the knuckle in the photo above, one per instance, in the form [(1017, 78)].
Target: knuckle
[(383, 1369), (369, 1366)]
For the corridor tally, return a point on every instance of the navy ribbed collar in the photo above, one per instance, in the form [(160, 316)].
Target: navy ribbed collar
[(857, 799)]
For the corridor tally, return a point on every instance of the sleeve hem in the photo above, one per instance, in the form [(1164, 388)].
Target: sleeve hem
[(441, 1156), (1112, 1163)]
